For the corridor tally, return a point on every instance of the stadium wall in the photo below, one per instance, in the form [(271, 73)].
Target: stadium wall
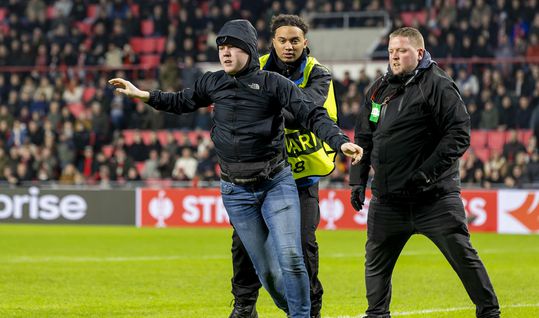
[(501, 211), (69, 206)]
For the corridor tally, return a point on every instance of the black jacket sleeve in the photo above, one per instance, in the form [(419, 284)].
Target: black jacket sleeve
[(311, 116), (185, 101), (363, 130), (453, 122), (317, 90), (317, 87)]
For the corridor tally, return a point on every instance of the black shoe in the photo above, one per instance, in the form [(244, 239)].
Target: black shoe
[(244, 311), (316, 315)]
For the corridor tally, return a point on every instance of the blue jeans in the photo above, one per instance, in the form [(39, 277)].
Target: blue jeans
[(266, 216)]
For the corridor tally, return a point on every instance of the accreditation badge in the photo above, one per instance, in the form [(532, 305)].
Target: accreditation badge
[(375, 112)]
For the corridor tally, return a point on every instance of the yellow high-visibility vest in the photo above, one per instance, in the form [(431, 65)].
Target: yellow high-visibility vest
[(307, 154)]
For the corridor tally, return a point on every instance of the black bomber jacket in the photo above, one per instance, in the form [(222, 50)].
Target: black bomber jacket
[(424, 128), (248, 120)]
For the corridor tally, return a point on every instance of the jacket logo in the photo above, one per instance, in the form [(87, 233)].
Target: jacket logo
[(254, 86)]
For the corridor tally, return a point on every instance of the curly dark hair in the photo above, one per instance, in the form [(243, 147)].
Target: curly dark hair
[(288, 20)]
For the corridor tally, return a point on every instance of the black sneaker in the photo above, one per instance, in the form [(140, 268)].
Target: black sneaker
[(243, 311)]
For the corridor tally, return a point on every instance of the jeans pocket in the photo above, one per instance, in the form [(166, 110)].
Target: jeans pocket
[(226, 187)]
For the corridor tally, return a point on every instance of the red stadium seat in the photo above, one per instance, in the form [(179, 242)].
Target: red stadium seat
[(88, 94), (108, 150), (3, 13), (148, 45), (85, 28), (128, 136), (147, 27), (178, 135), (496, 139), (162, 137), (150, 60), (478, 139), (76, 109), (408, 17), (139, 166), (159, 44), (92, 11), (51, 13), (135, 9), (524, 136), (482, 154), (4, 28), (137, 44), (145, 134)]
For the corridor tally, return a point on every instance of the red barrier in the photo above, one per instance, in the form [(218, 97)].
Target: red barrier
[(204, 208)]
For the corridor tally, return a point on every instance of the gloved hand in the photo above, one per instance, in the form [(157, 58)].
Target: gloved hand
[(357, 197)]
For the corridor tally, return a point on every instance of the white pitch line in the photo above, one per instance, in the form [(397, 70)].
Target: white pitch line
[(149, 258), (442, 310), (84, 259)]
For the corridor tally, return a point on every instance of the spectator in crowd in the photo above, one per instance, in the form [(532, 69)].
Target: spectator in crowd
[(151, 166), (490, 117), (69, 175), (138, 150), (186, 166), (523, 113), (166, 164), (532, 169), (120, 165), (512, 146)]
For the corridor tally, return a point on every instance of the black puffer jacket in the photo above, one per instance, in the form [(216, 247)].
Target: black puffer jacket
[(422, 131), (248, 120)]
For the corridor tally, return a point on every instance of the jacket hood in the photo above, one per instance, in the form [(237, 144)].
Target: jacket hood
[(244, 32), (426, 61)]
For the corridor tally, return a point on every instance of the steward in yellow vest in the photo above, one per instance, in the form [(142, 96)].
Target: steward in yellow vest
[(309, 157)]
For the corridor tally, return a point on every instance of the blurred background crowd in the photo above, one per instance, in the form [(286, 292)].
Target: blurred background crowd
[(61, 124)]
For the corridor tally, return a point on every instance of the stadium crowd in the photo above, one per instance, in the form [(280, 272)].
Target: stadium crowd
[(60, 122)]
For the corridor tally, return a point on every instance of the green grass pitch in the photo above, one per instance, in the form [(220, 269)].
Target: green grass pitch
[(83, 271)]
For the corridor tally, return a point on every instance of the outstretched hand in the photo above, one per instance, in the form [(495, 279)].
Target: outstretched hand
[(353, 151), (128, 89)]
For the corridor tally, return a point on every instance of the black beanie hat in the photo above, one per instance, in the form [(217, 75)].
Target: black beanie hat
[(222, 40)]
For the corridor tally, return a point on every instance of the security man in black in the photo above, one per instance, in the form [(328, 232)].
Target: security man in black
[(414, 127)]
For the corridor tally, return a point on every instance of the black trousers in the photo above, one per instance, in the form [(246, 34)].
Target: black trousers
[(443, 221), (245, 283)]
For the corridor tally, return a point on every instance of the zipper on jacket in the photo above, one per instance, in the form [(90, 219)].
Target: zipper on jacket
[(383, 111), (234, 120)]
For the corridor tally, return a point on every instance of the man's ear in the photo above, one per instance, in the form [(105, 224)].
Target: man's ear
[(420, 54)]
